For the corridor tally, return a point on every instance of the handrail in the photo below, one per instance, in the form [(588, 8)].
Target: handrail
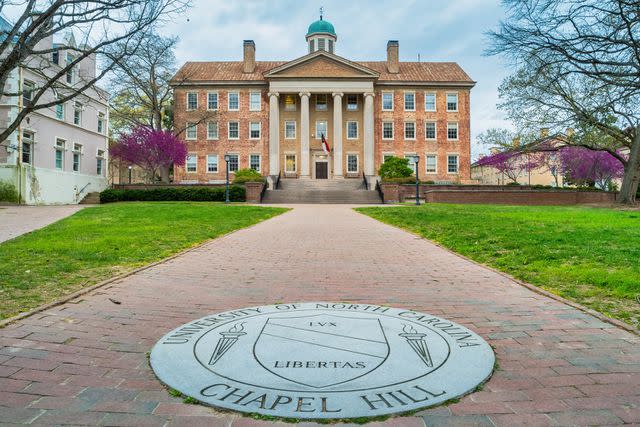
[(379, 190), (78, 193), (364, 179), (277, 184)]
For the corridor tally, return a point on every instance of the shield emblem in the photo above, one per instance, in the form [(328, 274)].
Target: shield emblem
[(321, 350)]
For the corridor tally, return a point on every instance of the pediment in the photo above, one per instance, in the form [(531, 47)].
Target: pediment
[(321, 64)]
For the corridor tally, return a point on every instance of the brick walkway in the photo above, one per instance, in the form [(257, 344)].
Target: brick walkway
[(17, 220), (85, 362)]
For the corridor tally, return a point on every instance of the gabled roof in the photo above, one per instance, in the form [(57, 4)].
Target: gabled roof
[(321, 64)]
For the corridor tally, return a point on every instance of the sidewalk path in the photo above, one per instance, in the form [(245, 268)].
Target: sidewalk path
[(85, 362), (18, 220)]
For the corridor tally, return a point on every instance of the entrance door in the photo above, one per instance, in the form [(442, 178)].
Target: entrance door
[(322, 170)]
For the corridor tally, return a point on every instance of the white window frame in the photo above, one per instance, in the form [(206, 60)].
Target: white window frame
[(77, 108), (77, 151), (251, 107), (435, 101), (352, 107), (59, 149), (426, 164), (189, 103), (393, 132), (101, 123), (294, 106), (233, 92), (100, 161), (217, 97), (237, 156), (233, 138), (259, 162), (30, 142), (217, 163), (210, 135), (357, 130), (457, 102), (322, 107), (414, 130), (326, 129), (191, 127), (60, 107), (295, 163), (287, 122), (411, 164), (387, 154), (409, 92), (259, 130), (392, 100), (449, 124), (457, 156), (26, 100), (435, 130), (357, 163), (186, 163)]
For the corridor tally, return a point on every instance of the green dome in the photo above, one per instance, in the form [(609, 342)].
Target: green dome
[(321, 26)]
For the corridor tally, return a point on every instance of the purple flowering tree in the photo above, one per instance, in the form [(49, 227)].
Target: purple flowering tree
[(152, 150), (511, 164), (584, 167)]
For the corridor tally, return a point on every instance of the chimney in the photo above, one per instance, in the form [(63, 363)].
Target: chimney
[(249, 56), (544, 132), (393, 48)]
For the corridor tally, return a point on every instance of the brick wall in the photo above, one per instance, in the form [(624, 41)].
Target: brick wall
[(521, 197)]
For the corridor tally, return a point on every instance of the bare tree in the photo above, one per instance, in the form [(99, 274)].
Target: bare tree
[(109, 31), (578, 65)]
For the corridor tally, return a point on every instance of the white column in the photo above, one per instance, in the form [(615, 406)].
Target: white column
[(274, 133), (337, 135), (369, 165), (304, 134)]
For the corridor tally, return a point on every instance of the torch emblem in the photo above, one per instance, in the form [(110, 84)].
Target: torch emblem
[(228, 339), (418, 343)]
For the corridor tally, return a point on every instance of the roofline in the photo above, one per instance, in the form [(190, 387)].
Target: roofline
[(174, 83), (364, 68), (424, 83)]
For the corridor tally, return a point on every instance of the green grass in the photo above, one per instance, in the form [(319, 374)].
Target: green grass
[(588, 255), (100, 242)]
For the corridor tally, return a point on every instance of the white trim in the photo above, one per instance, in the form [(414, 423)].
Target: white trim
[(295, 162), (229, 100), (457, 131), (209, 137), (357, 162), (187, 101), (387, 154), (435, 155), (346, 97), (404, 99), (259, 161), (435, 128), (259, 131), (213, 92), (320, 86), (186, 163), (217, 163), (435, 101), (316, 129), (56, 149), (392, 100), (191, 125), (295, 129), (457, 155), (393, 131), (415, 129), (259, 101), (326, 104), (447, 102), (229, 137), (357, 130), (225, 163)]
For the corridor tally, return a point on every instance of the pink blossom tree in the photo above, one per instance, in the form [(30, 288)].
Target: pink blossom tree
[(584, 167), (152, 150), (511, 164)]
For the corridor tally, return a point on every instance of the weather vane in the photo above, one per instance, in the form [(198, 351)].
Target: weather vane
[(321, 12)]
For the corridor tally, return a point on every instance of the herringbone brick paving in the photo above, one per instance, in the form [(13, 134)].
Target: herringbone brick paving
[(85, 362)]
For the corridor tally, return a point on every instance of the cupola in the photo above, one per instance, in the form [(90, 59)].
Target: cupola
[(321, 36)]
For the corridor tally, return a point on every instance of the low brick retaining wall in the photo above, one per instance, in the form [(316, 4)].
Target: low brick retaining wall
[(152, 186)]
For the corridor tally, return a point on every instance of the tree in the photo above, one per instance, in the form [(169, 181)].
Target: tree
[(584, 167), (394, 168), (505, 139), (109, 29), (512, 163), (150, 149), (577, 65)]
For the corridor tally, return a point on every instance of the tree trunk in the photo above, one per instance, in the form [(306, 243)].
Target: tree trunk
[(164, 174), (629, 187)]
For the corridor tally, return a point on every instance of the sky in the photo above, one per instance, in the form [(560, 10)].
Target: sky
[(437, 30)]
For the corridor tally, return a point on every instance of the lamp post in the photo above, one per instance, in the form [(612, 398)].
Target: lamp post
[(226, 159), (130, 167), (416, 160)]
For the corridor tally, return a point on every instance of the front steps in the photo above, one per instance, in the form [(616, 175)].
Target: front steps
[(326, 191), (91, 199)]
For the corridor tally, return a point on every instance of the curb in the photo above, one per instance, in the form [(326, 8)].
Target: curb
[(84, 291), (615, 322)]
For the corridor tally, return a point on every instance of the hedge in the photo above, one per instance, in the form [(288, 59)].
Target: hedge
[(8, 192), (187, 194)]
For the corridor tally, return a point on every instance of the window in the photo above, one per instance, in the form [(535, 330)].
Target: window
[(409, 130), (77, 114), (290, 163), (431, 163), (312, 45), (290, 129), (412, 162), (254, 162), (212, 163), (99, 162), (27, 92), (59, 156), (321, 102), (321, 44), (290, 103), (233, 163), (330, 45), (386, 156), (387, 101), (77, 152), (212, 130), (430, 130), (212, 101), (70, 73), (352, 102), (254, 130), (255, 99), (430, 101), (192, 163), (55, 57), (234, 130), (234, 101), (192, 101), (387, 130), (192, 131), (60, 111), (452, 163), (321, 129), (352, 130), (452, 102), (352, 163), (452, 130), (27, 147), (100, 122), (409, 101)]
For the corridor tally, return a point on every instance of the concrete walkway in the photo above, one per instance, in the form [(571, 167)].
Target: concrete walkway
[(85, 362), (18, 220)]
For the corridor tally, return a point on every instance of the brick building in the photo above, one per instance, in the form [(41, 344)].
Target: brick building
[(271, 116)]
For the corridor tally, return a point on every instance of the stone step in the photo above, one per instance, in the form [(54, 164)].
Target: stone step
[(326, 197), (91, 199)]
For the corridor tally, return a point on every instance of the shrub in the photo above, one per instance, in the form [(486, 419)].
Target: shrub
[(403, 180), (247, 175), (512, 183), (395, 167), (429, 182), (8, 192), (186, 194)]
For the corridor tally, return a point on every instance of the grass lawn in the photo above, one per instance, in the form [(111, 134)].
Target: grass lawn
[(100, 242), (588, 255)]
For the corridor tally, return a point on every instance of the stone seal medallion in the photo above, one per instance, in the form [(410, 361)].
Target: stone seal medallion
[(322, 360)]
